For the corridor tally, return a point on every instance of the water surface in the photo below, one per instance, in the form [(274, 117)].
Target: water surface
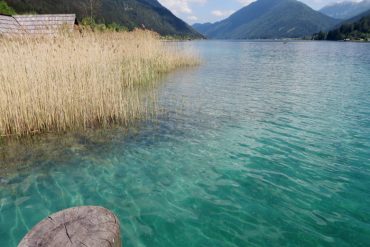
[(264, 144)]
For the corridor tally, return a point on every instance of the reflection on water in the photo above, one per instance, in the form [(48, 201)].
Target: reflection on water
[(265, 144)]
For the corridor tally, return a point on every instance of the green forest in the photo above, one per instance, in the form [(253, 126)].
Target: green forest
[(356, 31), (5, 9)]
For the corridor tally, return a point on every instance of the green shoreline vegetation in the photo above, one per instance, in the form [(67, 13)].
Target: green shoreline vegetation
[(353, 31), (74, 81), (5, 9)]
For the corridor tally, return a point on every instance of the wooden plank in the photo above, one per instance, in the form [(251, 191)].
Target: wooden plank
[(44, 20), (8, 25), (45, 15), (45, 23), (40, 17), (36, 24)]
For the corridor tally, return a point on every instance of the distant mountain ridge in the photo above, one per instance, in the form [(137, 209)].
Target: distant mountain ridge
[(346, 10), (269, 19), (358, 17), (355, 29), (129, 13)]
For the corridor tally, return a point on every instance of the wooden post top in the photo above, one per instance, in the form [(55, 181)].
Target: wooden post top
[(79, 226)]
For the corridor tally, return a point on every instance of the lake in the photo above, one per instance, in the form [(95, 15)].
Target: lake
[(263, 144)]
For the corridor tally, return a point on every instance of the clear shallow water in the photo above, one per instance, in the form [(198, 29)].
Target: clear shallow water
[(265, 144)]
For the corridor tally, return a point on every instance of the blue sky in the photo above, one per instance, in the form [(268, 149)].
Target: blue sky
[(202, 11)]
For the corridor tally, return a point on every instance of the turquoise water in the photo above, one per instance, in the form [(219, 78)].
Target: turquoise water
[(264, 144)]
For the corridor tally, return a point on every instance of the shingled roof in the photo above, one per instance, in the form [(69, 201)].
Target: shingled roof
[(35, 24)]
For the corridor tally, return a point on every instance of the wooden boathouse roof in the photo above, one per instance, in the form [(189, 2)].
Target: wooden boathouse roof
[(35, 24)]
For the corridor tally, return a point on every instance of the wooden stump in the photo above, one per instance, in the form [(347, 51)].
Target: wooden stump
[(80, 226)]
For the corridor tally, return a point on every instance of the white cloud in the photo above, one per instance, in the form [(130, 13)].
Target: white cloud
[(222, 13), (318, 4), (181, 6), (192, 18), (246, 2)]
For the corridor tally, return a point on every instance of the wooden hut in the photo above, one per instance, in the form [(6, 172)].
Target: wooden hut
[(36, 24)]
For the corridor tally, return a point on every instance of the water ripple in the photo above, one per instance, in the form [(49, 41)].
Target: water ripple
[(265, 144)]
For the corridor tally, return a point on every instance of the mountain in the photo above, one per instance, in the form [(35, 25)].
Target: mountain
[(359, 30), (346, 10), (358, 17), (356, 28), (267, 19), (129, 13), (352, 20), (202, 28)]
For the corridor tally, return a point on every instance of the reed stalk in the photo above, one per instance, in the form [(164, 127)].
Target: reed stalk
[(78, 82)]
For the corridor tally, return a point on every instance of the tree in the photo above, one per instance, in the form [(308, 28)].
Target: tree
[(335, 35), (321, 36), (5, 9), (346, 29), (91, 7)]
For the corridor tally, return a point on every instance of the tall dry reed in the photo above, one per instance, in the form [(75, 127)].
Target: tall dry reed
[(77, 82)]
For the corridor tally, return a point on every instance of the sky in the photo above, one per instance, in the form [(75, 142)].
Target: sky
[(193, 11)]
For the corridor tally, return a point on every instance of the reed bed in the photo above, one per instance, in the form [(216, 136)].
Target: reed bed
[(78, 82)]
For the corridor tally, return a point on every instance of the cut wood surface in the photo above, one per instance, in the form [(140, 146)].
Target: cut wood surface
[(80, 226)]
